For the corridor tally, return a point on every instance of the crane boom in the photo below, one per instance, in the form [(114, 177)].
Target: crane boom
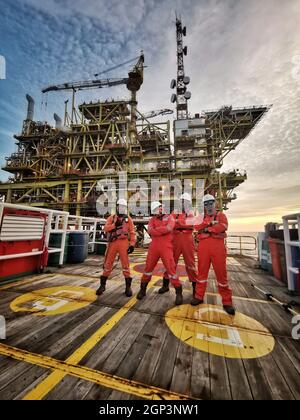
[(133, 81), (155, 113), (87, 84)]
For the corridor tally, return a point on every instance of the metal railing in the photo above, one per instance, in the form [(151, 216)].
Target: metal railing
[(293, 266), (242, 245)]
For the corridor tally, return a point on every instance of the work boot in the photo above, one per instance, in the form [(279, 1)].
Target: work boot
[(165, 287), (128, 290), (229, 309), (179, 297), (194, 284), (195, 301), (142, 292), (101, 289)]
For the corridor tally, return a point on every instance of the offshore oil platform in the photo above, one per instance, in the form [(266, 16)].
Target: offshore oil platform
[(60, 166)]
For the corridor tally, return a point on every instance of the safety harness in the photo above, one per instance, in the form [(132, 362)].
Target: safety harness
[(120, 232)]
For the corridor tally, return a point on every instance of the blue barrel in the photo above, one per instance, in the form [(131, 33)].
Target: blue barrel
[(78, 247)]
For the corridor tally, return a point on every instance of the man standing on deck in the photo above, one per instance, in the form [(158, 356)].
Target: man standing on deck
[(183, 242), (160, 229), (211, 249), (121, 241)]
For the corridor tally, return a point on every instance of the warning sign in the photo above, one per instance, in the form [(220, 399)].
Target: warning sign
[(210, 329)]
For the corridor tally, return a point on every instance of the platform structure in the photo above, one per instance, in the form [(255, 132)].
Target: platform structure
[(63, 342), (61, 167)]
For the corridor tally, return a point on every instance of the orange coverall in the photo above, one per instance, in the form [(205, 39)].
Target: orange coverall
[(211, 249), (183, 244), (160, 229), (119, 240)]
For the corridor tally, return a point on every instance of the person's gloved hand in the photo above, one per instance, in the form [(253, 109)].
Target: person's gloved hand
[(130, 249), (206, 230)]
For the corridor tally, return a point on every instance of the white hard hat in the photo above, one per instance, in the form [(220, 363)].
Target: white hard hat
[(155, 205), (186, 197), (122, 202), (208, 197)]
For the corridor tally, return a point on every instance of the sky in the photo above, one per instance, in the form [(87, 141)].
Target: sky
[(240, 53)]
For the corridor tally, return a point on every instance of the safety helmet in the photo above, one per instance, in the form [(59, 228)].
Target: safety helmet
[(186, 197), (155, 205), (122, 202), (208, 197)]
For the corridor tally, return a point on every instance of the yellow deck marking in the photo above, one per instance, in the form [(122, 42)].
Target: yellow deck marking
[(54, 300), (239, 337), (100, 378), (41, 390)]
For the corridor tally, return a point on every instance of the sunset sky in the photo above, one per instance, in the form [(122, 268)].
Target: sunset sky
[(241, 53)]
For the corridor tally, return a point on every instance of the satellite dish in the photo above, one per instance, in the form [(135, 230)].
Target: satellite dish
[(185, 51), (173, 98), (186, 80), (187, 95), (184, 31), (173, 83)]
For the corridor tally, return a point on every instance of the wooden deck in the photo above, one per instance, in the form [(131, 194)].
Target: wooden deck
[(65, 343)]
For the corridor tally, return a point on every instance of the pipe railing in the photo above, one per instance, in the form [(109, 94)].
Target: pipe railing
[(242, 245)]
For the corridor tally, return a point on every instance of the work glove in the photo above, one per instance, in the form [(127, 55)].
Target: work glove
[(130, 249)]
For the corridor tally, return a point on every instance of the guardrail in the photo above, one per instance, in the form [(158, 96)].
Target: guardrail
[(242, 245), (292, 269)]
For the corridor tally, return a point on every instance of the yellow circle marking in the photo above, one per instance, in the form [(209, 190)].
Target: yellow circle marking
[(54, 300), (208, 328)]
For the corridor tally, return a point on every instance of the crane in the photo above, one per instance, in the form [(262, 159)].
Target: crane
[(87, 84), (133, 82), (155, 113)]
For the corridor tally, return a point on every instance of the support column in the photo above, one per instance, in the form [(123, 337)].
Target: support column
[(79, 197), (66, 196), (8, 195)]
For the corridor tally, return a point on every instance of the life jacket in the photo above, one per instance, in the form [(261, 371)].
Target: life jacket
[(121, 232), (220, 218)]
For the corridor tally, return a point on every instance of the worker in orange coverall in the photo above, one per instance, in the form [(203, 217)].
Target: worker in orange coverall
[(183, 242), (121, 241), (211, 249), (160, 229)]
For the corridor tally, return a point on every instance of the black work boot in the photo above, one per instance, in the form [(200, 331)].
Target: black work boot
[(194, 284), (229, 309), (165, 287), (195, 301), (101, 289), (179, 297), (128, 290), (142, 292)]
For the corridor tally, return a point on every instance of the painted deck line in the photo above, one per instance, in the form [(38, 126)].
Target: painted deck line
[(99, 378)]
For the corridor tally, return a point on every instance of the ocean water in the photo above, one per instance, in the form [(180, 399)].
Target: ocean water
[(244, 243)]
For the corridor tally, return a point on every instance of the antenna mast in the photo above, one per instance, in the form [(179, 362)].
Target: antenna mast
[(182, 95)]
